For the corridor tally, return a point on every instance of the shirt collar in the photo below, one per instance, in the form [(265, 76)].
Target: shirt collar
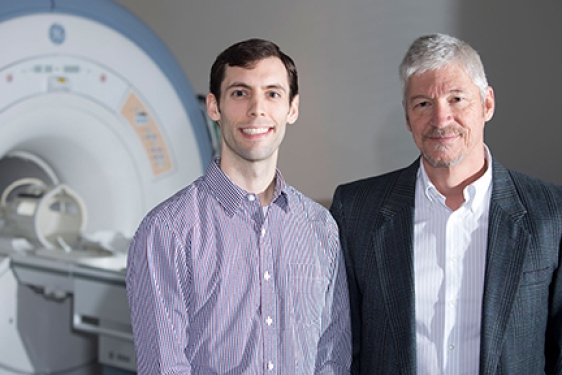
[(474, 194), (231, 196)]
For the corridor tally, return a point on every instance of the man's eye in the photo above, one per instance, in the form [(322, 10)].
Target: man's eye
[(456, 99), (274, 95), (238, 93), (421, 105)]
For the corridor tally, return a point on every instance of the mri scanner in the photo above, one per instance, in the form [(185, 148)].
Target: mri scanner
[(98, 124)]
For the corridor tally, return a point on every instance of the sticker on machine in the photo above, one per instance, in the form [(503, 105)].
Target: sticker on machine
[(148, 132)]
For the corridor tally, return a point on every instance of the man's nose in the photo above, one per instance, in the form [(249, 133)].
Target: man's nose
[(257, 106), (442, 114)]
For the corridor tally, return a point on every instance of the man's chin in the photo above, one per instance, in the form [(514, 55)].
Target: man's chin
[(441, 162)]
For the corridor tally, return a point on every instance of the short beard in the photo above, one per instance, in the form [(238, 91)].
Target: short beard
[(441, 164), (439, 133)]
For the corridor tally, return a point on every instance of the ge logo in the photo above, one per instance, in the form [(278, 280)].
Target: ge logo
[(56, 33)]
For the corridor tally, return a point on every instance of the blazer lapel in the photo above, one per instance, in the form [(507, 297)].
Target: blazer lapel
[(395, 264), (507, 243)]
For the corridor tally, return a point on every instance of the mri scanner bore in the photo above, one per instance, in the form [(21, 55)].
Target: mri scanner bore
[(98, 124)]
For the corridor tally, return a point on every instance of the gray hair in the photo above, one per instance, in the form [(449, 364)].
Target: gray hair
[(431, 52)]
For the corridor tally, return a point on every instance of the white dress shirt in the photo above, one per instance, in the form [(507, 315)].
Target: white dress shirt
[(449, 264)]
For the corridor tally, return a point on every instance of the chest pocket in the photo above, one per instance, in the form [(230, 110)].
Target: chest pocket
[(537, 276), (307, 288)]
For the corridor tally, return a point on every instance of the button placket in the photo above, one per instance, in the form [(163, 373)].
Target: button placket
[(269, 295)]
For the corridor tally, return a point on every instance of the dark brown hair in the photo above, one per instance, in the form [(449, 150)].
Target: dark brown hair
[(246, 54)]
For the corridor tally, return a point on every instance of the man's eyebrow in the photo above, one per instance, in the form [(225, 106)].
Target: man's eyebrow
[(237, 85), (246, 86), (417, 97), (424, 96), (276, 87)]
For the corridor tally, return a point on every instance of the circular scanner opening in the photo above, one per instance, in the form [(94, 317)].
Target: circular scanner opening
[(18, 165)]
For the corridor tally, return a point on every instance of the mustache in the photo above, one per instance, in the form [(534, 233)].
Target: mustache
[(444, 132)]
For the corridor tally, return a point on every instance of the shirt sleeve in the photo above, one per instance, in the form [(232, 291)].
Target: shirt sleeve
[(354, 294), (158, 306), (334, 346)]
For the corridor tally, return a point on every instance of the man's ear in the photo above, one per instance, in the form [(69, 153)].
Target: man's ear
[(213, 107), (408, 123), (489, 104), (293, 114), (404, 105)]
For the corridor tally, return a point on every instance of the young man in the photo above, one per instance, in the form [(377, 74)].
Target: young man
[(453, 262), (239, 273)]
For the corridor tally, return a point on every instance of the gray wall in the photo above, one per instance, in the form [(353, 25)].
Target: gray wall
[(520, 43), (351, 122)]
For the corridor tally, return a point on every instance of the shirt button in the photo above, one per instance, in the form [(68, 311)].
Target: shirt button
[(452, 347), (262, 232), (266, 276), (270, 366), (251, 197), (269, 321)]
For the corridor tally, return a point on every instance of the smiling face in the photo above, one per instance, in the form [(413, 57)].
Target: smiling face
[(446, 116), (253, 112)]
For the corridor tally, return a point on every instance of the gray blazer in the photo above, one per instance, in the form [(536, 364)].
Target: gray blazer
[(522, 307)]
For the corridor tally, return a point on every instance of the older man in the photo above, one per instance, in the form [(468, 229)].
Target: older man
[(453, 262)]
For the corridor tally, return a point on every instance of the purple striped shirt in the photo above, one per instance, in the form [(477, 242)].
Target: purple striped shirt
[(216, 286)]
